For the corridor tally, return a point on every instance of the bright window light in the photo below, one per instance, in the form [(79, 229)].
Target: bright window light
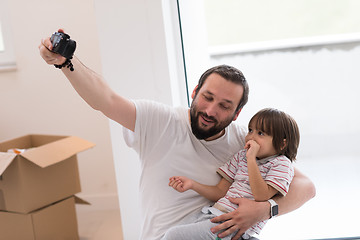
[(7, 56), (1, 40)]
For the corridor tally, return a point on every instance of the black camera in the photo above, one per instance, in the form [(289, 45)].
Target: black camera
[(63, 45)]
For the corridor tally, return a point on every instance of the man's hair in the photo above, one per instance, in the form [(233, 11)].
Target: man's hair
[(280, 126), (231, 74)]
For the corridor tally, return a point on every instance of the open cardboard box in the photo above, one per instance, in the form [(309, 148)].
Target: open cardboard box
[(54, 222), (45, 173)]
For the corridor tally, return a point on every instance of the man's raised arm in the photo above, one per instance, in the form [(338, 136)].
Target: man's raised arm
[(92, 88)]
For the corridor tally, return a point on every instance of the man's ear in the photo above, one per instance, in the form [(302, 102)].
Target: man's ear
[(194, 92), (237, 114)]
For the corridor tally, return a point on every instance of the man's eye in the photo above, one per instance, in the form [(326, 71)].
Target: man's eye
[(207, 98), (224, 106)]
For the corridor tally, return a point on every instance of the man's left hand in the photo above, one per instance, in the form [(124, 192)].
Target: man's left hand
[(246, 215)]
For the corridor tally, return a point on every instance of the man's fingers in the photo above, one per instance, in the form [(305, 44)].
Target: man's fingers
[(229, 228), (237, 235), (222, 218), (47, 43), (228, 225), (226, 222), (229, 231)]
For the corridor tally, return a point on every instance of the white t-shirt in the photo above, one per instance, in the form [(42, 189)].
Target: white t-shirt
[(166, 147)]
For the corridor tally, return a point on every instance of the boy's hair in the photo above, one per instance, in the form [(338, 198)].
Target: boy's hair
[(280, 126), (231, 74)]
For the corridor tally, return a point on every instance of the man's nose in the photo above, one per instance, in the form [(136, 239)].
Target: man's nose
[(211, 109)]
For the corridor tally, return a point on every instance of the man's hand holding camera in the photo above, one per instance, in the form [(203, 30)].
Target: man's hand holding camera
[(58, 50)]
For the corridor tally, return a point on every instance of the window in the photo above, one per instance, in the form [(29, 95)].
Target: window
[(239, 22), (7, 57), (1, 40), (212, 28), (301, 58)]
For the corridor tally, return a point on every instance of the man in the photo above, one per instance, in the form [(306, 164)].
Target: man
[(178, 141)]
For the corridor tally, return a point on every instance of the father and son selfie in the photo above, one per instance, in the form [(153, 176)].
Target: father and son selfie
[(203, 175)]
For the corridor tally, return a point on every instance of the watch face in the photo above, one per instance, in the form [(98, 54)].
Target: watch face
[(275, 210)]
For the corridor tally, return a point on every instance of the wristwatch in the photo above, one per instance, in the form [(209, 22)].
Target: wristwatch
[(274, 208)]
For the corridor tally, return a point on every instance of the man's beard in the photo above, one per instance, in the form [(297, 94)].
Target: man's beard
[(205, 134)]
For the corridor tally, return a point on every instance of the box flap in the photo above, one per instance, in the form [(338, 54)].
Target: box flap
[(20, 142), (81, 201), (5, 160), (57, 151)]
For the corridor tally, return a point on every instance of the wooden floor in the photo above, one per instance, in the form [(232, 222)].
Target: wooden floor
[(99, 224)]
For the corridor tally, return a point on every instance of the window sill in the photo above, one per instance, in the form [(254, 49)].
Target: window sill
[(8, 67), (283, 44)]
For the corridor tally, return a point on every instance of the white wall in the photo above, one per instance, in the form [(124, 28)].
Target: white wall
[(37, 98), (141, 58), (133, 44)]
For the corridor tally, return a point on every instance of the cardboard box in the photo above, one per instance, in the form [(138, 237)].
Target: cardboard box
[(56, 222), (46, 173)]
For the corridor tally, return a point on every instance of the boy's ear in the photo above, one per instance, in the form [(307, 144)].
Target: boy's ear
[(284, 144)]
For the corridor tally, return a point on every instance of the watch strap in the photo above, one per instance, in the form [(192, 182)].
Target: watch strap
[(274, 208)]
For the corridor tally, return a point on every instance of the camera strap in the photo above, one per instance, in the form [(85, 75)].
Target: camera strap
[(67, 64)]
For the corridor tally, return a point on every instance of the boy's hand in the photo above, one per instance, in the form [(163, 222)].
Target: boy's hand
[(252, 149), (180, 184)]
